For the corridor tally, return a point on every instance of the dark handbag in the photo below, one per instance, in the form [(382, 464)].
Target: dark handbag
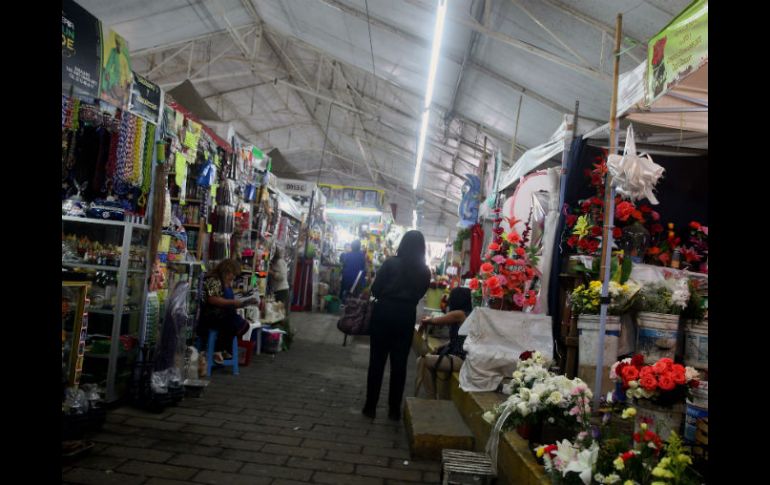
[(358, 314)]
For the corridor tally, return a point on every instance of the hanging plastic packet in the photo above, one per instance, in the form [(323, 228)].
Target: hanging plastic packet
[(249, 193), (208, 174)]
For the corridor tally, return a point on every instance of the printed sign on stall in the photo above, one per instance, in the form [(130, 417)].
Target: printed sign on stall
[(146, 99), (116, 70), (81, 51), (678, 50), (344, 197), (293, 187)]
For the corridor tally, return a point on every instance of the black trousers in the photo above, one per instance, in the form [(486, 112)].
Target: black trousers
[(392, 329)]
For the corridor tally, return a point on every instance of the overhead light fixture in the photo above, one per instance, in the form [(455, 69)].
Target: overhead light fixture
[(435, 50), (354, 212), (414, 218)]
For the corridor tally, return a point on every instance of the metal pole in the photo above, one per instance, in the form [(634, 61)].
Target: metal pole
[(609, 214)]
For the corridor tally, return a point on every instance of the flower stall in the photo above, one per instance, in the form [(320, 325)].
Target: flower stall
[(634, 239)]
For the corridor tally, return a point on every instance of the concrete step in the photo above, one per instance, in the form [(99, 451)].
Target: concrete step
[(432, 426)]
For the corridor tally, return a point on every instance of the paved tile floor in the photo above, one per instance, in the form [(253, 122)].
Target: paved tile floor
[(286, 420)]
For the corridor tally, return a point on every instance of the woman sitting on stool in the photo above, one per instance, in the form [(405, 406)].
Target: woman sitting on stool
[(450, 357), (219, 305)]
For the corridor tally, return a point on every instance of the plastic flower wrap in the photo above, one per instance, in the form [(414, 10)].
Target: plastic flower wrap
[(670, 296), (663, 382), (585, 300)]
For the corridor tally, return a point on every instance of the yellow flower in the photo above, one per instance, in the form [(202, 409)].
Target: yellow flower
[(595, 302), (596, 285), (619, 464), (581, 226), (643, 426), (540, 451), (629, 413), (684, 459)]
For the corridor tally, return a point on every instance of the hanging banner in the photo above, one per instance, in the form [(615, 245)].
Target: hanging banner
[(81, 51), (116, 70), (344, 197), (146, 99), (678, 50)]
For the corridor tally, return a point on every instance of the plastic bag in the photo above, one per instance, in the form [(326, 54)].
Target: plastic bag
[(76, 401), (190, 370), (176, 320), (208, 175), (159, 382)]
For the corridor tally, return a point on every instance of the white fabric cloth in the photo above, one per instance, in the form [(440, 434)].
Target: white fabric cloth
[(549, 239), (494, 341), (280, 280)]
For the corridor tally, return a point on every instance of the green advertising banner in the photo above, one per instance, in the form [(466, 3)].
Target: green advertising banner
[(678, 50)]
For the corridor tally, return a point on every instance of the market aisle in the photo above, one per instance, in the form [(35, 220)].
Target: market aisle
[(294, 419)]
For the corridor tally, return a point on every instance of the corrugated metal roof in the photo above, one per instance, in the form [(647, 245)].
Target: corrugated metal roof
[(311, 52)]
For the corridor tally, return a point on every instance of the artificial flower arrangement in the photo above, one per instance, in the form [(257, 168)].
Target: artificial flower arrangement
[(603, 457), (585, 299), (661, 252), (664, 383), (509, 270), (669, 297), (583, 231), (440, 283), (538, 395), (532, 367), (697, 252)]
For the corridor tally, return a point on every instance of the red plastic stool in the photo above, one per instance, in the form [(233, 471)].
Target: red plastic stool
[(248, 345)]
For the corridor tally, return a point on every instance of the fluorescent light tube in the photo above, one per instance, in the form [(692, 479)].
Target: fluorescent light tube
[(354, 212), (434, 56)]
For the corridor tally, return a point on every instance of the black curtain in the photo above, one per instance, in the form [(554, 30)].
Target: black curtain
[(682, 195)]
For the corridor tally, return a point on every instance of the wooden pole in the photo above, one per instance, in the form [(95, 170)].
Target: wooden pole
[(609, 212)]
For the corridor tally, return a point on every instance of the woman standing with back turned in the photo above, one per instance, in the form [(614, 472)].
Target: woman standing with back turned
[(400, 284)]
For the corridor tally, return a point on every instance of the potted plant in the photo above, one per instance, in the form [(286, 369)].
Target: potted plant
[(659, 390), (585, 303), (659, 305)]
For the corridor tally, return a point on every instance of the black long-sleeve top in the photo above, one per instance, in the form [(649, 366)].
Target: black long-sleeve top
[(400, 280)]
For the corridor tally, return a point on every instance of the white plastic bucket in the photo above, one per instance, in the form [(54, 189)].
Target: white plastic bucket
[(696, 348), (657, 335), (627, 341), (697, 408), (661, 420), (588, 339)]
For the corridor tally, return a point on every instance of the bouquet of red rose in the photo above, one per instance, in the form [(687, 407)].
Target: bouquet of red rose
[(664, 382)]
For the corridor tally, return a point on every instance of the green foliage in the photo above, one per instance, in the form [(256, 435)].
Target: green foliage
[(462, 235)]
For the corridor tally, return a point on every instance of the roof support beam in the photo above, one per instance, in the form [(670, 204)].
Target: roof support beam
[(602, 27), (507, 39), (167, 59), (549, 32)]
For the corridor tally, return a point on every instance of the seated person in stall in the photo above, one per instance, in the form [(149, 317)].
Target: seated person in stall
[(450, 357), (219, 307)]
